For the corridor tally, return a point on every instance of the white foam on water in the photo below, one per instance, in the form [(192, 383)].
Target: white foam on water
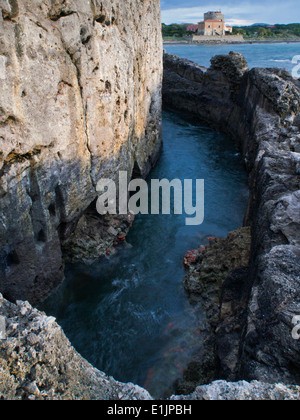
[(280, 61)]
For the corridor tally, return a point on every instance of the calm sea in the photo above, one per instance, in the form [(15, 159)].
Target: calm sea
[(257, 55)]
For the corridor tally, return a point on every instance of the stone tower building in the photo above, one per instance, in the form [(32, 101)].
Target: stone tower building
[(214, 16), (213, 24)]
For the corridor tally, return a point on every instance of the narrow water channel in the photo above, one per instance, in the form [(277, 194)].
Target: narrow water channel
[(130, 316)]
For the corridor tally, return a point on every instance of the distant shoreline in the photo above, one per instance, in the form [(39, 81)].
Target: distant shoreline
[(265, 41)]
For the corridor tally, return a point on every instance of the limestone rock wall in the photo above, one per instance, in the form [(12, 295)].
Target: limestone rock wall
[(80, 84), (37, 362)]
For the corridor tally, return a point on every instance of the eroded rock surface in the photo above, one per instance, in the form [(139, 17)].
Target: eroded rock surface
[(37, 362), (243, 391), (215, 280), (80, 85)]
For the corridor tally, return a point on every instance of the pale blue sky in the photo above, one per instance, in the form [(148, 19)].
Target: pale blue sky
[(237, 12)]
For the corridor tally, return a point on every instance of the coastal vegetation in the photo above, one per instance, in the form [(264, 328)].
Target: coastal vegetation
[(254, 32), (291, 31), (174, 30)]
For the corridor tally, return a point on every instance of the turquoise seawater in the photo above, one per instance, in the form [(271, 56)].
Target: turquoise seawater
[(257, 55), (129, 315)]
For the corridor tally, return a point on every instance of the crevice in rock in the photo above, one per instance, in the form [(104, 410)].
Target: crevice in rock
[(136, 172), (52, 210), (38, 218), (10, 120), (83, 104), (11, 14), (63, 13), (14, 158), (37, 23)]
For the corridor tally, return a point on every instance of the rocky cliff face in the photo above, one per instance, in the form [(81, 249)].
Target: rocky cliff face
[(37, 362), (80, 84), (260, 109), (215, 280)]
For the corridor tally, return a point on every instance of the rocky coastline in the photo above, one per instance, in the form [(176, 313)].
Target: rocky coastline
[(57, 86), (252, 325), (38, 363)]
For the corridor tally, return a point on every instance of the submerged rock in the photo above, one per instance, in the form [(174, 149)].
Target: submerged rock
[(207, 283)]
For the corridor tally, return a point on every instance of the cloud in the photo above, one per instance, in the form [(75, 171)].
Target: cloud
[(236, 13), (240, 22)]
